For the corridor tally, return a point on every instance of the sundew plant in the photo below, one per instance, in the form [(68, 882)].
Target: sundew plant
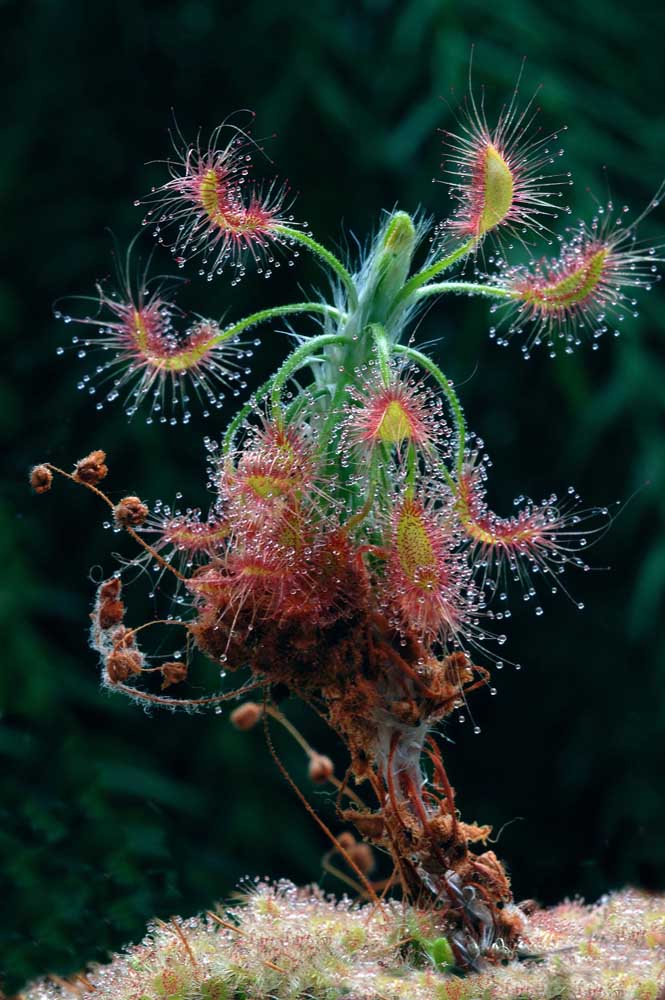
[(349, 554)]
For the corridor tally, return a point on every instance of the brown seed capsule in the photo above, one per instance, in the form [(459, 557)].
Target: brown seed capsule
[(173, 673), (363, 856), (123, 638), (346, 840), (321, 769), (246, 716), (110, 613), (91, 469), (110, 589), (109, 610), (130, 512), (119, 665), (41, 478)]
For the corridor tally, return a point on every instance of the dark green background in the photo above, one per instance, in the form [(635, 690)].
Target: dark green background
[(109, 816)]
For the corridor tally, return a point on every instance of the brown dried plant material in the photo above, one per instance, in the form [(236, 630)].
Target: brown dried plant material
[(41, 478), (370, 825), (121, 664), (246, 716), (383, 692), (173, 673), (91, 469), (130, 512), (110, 589), (110, 610)]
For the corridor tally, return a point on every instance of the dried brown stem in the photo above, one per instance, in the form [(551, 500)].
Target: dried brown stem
[(317, 819), (137, 538)]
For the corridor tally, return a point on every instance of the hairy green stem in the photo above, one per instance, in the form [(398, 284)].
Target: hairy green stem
[(296, 406), (430, 272), (466, 288), (451, 396), (275, 313), (382, 350), (301, 356), (242, 414), (360, 515), (333, 262), (411, 468)]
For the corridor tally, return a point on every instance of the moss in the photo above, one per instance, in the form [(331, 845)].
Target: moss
[(285, 943)]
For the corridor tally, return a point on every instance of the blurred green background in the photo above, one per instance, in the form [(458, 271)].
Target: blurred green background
[(109, 816)]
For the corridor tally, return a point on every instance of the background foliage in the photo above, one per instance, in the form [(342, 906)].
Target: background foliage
[(109, 816)]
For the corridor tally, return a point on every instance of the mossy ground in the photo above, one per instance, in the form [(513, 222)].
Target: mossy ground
[(285, 943)]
